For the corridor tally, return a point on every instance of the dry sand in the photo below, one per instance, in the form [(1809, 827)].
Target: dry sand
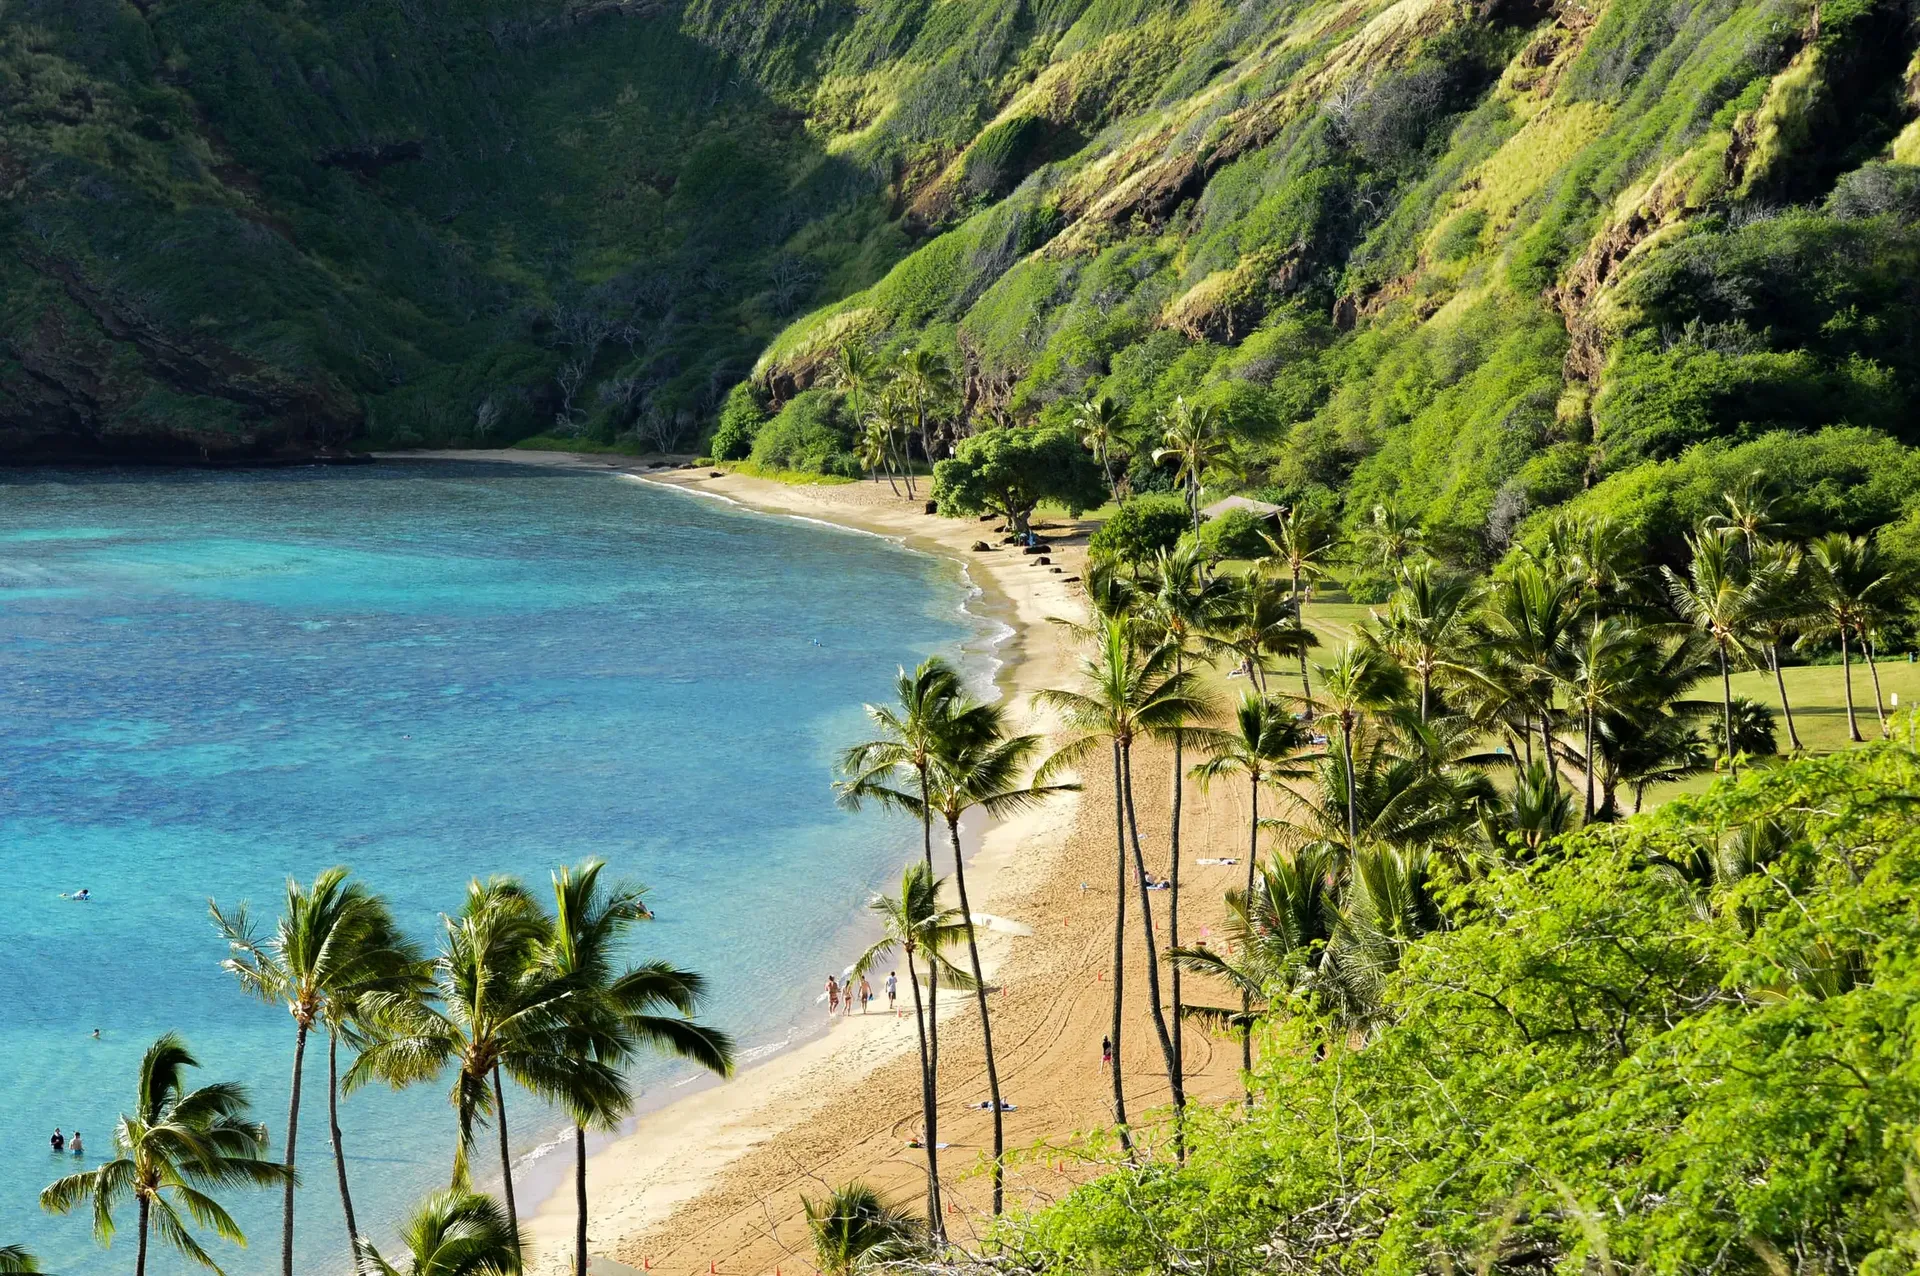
[(715, 1181)]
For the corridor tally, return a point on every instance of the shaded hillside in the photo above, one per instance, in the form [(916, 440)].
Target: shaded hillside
[(1473, 256)]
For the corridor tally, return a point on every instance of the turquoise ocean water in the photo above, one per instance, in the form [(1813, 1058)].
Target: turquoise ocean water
[(210, 681)]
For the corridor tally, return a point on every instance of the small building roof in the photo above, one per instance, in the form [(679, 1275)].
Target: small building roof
[(1259, 509)]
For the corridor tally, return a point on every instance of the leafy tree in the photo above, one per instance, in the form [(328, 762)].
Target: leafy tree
[(453, 1233), (174, 1149), (335, 944), (1143, 527), (918, 925), (612, 1014), (1010, 471), (1233, 533), (740, 420)]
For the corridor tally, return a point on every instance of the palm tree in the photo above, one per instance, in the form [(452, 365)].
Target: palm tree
[(1359, 682), (1391, 537), (611, 1013), (1599, 677), (1128, 694), (1851, 592), (1181, 606), (924, 381), (928, 708), (175, 1147), (852, 1225), (858, 373), (1718, 598), (979, 766), (1749, 518), (1259, 622), (335, 943), (1531, 617), (1780, 604), (1389, 902), (1302, 542), (1265, 745), (1195, 435), (453, 1233), (501, 1012), (15, 1259), (1099, 422), (915, 922), (1428, 626)]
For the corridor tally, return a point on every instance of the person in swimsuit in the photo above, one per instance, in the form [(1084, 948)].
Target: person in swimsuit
[(833, 995), (73, 1144), (866, 994)]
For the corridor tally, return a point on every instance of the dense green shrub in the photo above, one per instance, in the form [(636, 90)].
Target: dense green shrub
[(1235, 533), (740, 421), (1141, 528), (809, 436), (1667, 1045)]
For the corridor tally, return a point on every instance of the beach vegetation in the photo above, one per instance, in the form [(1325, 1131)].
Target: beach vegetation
[(611, 1013), (915, 924), (334, 946), (1139, 529), (171, 1153), (452, 1233), (854, 1225), (1009, 471), (16, 1259)]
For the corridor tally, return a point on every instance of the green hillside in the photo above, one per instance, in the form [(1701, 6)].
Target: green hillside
[(1472, 258)]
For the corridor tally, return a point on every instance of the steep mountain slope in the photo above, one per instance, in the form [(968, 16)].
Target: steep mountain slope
[(1472, 257)]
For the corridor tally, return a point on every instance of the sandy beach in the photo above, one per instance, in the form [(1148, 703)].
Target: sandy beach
[(715, 1180)]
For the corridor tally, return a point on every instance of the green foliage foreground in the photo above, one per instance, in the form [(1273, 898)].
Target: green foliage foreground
[(1680, 1044)]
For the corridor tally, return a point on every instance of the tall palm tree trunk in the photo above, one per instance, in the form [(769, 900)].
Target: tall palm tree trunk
[(1353, 808), (1780, 681), (1173, 923), (293, 1134), (1246, 998), (580, 1200), (506, 1156), (1873, 668), (1589, 813), (926, 821), (1726, 712), (1119, 943), (1300, 619), (933, 1081), (1153, 954), (986, 1024), (1426, 691), (926, 1100), (1846, 679), (339, 1156), (140, 1255), (1546, 743)]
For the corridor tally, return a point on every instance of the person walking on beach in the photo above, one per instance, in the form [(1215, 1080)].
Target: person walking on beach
[(866, 994), (893, 987), (1106, 1051), (59, 1139), (833, 995)]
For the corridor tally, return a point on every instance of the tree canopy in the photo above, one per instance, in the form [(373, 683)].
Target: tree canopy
[(1010, 471)]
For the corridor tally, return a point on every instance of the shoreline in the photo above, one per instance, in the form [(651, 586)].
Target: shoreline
[(715, 1180), (723, 1119)]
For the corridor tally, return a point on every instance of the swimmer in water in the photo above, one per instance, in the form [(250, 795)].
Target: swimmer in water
[(83, 894)]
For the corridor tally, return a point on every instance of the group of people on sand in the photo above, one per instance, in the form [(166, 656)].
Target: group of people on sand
[(842, 996), (61, 1143)]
